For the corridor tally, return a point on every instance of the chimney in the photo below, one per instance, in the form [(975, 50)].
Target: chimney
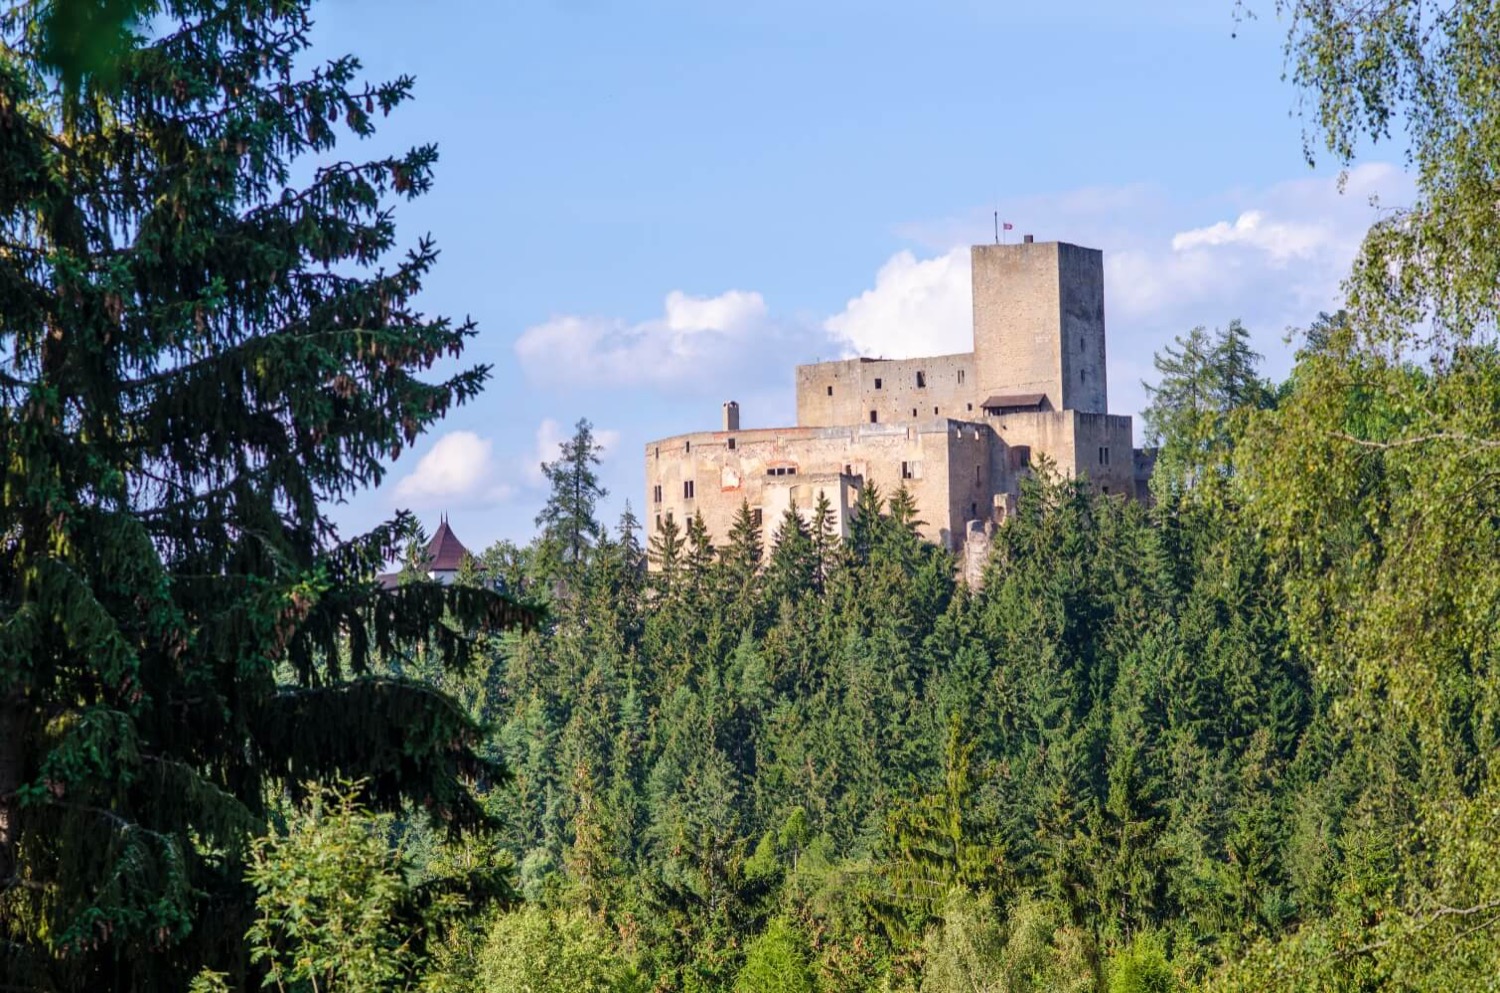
[(731, 416), (1026, 238)]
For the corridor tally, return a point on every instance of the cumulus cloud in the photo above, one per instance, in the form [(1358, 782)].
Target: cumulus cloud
[(550, 436), (1272, 256), (458, 471), (916, 307), (1281, 241), (695, 341)]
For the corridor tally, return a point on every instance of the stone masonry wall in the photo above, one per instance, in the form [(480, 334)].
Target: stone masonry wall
[(1095, 445), (835, 393), (1081, 291), (1017, 314), (755, 471)]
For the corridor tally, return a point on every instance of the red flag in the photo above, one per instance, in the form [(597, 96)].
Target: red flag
[(1008, 226)]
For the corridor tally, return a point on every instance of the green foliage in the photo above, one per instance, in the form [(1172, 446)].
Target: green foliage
[(328, 895), (776, 962), (570, 532), (1031, 951), (200, 356), (553, 952), (1142, 967), (1418, 73)]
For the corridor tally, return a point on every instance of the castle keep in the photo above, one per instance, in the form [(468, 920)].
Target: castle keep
[(958, 431)]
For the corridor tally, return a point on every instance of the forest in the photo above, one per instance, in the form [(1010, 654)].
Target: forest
[(1242, 738)]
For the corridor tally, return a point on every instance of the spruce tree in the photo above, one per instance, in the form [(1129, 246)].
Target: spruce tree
[(569, 529), (196, 358)]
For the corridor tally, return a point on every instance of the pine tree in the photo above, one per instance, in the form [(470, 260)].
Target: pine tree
[(569, 529), (198, 358)]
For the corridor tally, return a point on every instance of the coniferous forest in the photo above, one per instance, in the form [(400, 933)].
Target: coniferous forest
[(1240, 739)]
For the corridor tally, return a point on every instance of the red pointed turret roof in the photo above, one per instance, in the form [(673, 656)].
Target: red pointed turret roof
[(445, 552)]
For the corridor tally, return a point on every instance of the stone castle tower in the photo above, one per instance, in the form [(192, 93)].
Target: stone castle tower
[(958, 431)]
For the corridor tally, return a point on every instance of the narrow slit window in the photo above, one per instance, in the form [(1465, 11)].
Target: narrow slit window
[(914, 412), (874, 417), (960, 377), (687, 490), (921, 380), (830, 391), (934, 412), (687, 447), (877, 382), (656, 493)]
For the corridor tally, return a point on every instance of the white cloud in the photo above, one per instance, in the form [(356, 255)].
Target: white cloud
[(458, 471), (1281, 241), (1273, 257), (917, 307), (550, 436), (695, 342)]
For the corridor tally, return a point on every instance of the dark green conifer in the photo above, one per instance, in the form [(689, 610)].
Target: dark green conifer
[(198, 357)]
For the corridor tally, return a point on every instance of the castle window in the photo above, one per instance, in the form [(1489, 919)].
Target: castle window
[(906, 470), (656, 493), (921, 380), (914, 412), (658, 451), (781, 470), (687, 447), (687, 490), (755, 516), (1104, 456), (1083, 375), (976, 475), (731, 444), (877, 382), (658, 522), (973, 510), (934, 412), (874, 417), (960, 377), (969, 406), (830, 391)]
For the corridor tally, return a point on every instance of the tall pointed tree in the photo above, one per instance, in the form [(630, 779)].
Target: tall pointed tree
[(196, 357), (569, 529)]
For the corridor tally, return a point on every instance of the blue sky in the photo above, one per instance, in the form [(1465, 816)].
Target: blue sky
[(652, 207)]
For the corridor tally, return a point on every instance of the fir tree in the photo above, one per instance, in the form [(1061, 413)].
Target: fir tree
[(569, 529), (198, 358)]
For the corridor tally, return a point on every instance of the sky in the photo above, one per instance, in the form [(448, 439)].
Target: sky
[(651, 208)]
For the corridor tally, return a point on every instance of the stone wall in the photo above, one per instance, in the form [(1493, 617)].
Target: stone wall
[(1079, 444), (1081, 291), (768, 467), (897, 390), (1017, 315)]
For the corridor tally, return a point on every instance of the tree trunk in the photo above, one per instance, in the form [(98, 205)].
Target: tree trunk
[(12, 769)]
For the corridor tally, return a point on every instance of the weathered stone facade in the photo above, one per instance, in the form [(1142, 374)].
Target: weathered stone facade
[(958, 431)]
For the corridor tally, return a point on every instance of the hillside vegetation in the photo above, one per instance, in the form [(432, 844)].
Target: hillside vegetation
[(1242, 739)]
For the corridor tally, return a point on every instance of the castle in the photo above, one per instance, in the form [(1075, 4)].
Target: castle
[(958, 431)]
